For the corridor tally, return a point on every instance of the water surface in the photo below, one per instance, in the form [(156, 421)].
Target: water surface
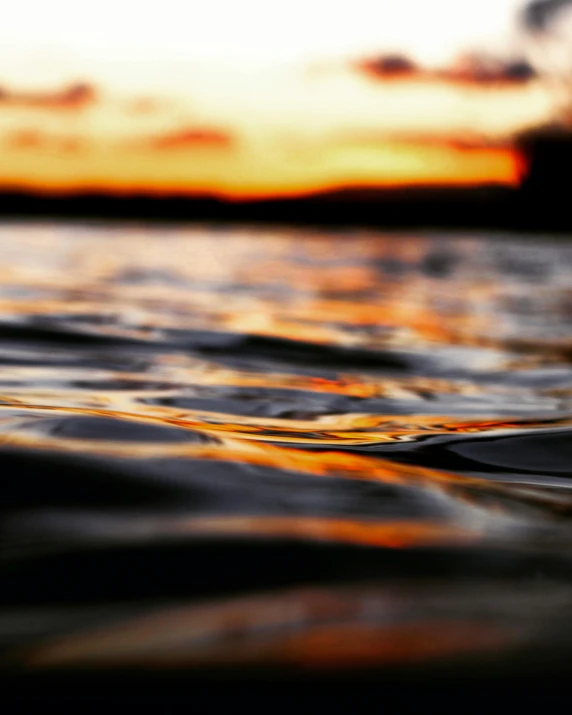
[(244, 448)]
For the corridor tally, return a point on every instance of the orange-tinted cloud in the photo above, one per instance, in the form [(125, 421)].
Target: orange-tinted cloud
[(37, 141), (75, 96), (192, 137), (482, 70), (470, 68), (392, 66)]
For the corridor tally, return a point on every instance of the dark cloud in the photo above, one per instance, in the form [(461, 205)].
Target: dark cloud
[(471, 68), (519, 71), (488, 70), (539, 14), (389, 66)]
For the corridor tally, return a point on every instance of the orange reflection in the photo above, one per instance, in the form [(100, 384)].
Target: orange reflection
[(315, 646), (356, 645), (391, 534), (249, 444), (308, 628)]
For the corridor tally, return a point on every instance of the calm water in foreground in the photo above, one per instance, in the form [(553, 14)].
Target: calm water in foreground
[(284, 450)]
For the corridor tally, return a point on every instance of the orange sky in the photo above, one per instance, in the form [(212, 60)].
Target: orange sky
[(233, 105), (311, 135)]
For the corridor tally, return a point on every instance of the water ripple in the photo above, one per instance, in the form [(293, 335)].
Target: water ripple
[(194, 415)]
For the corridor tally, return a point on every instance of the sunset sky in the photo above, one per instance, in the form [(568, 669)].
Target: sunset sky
[(278, 86), (128, 43)]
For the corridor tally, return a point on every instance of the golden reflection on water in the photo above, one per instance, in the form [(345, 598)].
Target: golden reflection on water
[(300, 354), (360, 289), (314, 628), (464, 304)]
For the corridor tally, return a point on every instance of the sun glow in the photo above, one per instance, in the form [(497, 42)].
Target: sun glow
[(219, 98)]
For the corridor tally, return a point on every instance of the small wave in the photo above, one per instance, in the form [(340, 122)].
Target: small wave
[(200, 423)]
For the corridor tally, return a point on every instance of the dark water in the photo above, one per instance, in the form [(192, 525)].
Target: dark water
[(244, 451)]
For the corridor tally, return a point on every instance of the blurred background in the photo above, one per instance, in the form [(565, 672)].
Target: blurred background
[(253, 102)]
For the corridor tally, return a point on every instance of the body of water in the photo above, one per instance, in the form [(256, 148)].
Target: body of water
[(232, 449)]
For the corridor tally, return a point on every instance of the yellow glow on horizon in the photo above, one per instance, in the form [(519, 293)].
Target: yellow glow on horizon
[(241, 176)]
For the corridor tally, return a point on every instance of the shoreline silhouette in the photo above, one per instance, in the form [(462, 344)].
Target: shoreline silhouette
[(539, 203)]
